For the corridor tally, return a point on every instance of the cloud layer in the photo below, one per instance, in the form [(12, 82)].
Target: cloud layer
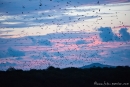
[(71, 49)]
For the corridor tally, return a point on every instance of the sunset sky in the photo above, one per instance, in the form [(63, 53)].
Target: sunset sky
[(64, 33)]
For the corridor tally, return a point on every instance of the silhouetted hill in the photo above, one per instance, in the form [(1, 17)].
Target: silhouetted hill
[(96, 65)]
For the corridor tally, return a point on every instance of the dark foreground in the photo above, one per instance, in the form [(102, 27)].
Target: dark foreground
[(68, 77)]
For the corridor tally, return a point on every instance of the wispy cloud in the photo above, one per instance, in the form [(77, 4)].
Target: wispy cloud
[(31, 14)]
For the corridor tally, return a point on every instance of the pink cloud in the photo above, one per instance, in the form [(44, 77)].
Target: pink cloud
[(119, 27), (115, 44), (104, 45), (108, 45), (96, 41), (65, 48), (60, 46), (64, 40)]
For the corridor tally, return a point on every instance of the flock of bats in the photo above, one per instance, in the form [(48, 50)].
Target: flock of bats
[(58, 53)]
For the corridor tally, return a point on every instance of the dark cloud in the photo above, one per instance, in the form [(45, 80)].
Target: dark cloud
[(126, 53), (59, 54), (35, 57), (14, 53), (125, 36), (45, 42), (81, 42), (7, 64), (116, 38), (2, 54), (107, 35), (46, 54), (38, 40), (19, 58), (32, 39)]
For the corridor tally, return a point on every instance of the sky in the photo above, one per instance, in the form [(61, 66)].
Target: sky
[(64, 33)]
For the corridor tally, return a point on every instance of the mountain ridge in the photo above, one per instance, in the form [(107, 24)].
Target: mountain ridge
[(96, 65)]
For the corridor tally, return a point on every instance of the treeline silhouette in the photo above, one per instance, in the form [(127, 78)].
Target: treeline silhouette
[(67, 77)]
